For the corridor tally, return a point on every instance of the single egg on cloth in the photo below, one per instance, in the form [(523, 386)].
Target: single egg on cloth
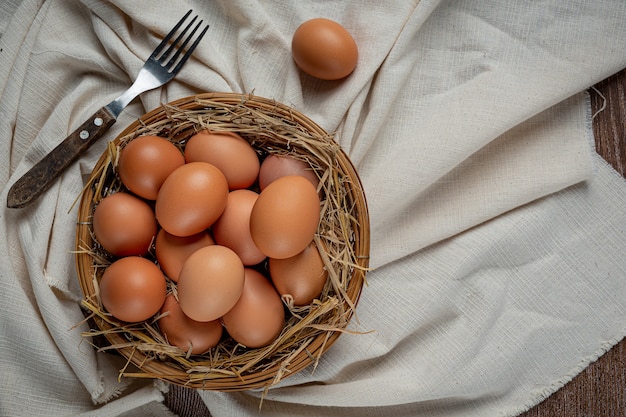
[(301, 277), (324, 49), (191, 336), (124, 225), (232, 229), (145, 162), (285, 217), (210, 283), (228, 151), (191, 199), (277, 166), (133, 289), (172, 251), (258, 316)]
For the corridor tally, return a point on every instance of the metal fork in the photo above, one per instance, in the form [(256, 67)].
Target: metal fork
[(159, 68)]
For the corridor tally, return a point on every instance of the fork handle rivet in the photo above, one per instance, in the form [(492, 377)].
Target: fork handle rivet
[(83, 134), (98, 121)]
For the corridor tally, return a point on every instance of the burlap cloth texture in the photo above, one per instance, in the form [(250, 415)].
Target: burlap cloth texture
[(496, 274)]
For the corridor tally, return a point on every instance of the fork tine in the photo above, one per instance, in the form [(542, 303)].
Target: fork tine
[(165, 40), (191, 48), (177, 40), (182, 46)]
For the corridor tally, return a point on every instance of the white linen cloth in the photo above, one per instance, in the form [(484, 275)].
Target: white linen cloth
[(498, 236)]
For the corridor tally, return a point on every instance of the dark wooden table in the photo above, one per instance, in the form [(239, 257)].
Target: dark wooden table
[(598, 391)]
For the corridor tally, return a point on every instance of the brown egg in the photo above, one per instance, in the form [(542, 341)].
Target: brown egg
[(172, 251), (232, 229), (124, 225), (302, 276), (210, 283), (132, 289), (324, 49), (277, 166), (228, 151), (145, 162), (285, 217), (191, 199), (186, 333), (258, 317)]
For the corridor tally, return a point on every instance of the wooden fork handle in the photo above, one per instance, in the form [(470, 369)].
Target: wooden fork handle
[(43, 174)]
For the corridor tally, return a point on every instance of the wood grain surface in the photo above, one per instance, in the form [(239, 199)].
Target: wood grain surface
[(608, 102), (598, 391)]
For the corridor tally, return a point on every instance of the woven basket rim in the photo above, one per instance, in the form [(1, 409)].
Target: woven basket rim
[(149, 367)]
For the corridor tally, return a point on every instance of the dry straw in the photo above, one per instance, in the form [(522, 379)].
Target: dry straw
[(342, 237)]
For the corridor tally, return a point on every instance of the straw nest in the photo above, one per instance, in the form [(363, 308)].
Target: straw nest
[(342, 237)]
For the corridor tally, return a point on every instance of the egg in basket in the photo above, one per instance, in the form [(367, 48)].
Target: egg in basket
[(222, 243)]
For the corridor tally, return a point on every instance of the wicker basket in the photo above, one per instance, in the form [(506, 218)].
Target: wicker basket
[(342, 237)]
